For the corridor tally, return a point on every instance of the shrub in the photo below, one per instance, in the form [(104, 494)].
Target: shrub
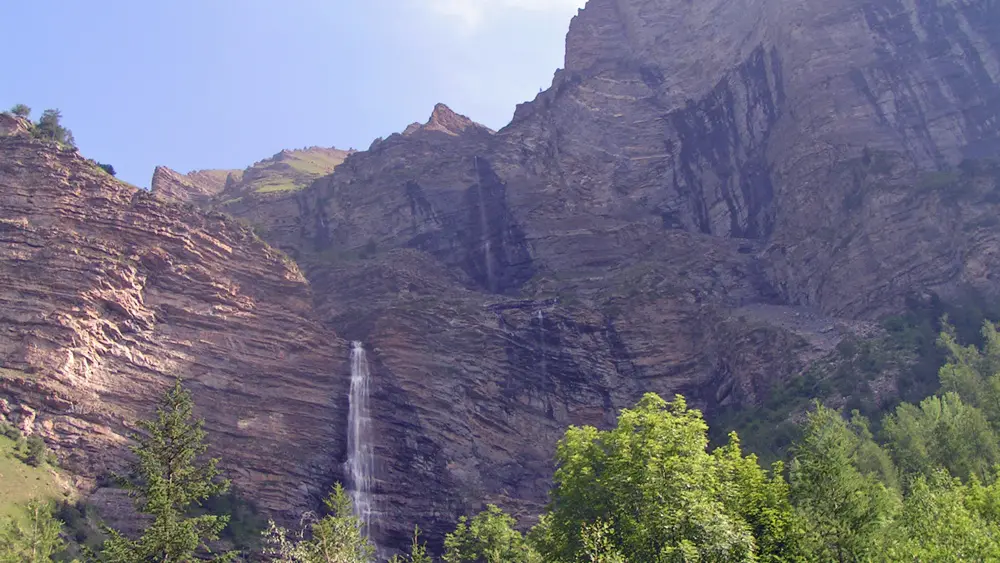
[(107, 168), (21, 110), (36, 453), (10, 431), (49, 127)]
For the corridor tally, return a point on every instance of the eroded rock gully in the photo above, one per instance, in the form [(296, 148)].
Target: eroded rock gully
[(708, 198)]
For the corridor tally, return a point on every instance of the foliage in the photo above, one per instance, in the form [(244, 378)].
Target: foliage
[(10, 431), (338, 537), (943, 432), (598, 546), (81, 525), (34, 541), (167, 480), (21, 110), (489, 537), (20, 482), (973, 373), (418, 551), (907, 353), (36, 451), (843, 510), (944, 520), (656, 494), (107, 168), (50, 128), (246, 524)]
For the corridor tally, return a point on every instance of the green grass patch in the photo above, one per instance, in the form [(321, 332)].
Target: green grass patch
[(20, 482), (275, 186), (314, 164)]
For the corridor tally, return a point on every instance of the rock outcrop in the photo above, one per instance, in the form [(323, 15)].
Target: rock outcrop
[(710, 196), (692, 166), (200, 187), (108, 294)]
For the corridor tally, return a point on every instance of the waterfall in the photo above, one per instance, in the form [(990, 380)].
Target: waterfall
[(541, 341), (484, 224), (360, 457)]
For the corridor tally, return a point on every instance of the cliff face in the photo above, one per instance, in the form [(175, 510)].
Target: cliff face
[(698, 175), (200, 187), (710, 196), (108, 294)]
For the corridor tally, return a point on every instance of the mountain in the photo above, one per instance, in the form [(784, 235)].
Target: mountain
[(109, 293), (718, 199)]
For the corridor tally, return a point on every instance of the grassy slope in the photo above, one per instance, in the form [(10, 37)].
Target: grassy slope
[(303, 167), (20, 482)]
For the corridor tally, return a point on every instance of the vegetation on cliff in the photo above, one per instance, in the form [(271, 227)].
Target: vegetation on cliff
[(49, 126), (650, 489), (168, 479)]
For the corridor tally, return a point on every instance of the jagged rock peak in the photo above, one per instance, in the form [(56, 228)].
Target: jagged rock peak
[(192, 187), (444, 120)]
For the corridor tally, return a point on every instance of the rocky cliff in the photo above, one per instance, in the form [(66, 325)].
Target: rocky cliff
[(109, 293), (697, 175), (708, 199)]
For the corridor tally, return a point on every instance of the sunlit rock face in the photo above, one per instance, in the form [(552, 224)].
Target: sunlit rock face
[(710, 196), (109, 293)]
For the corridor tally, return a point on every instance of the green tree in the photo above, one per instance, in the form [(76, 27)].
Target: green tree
[(49, 127), (168, 479), (943, 432), (598, 546), (21, 110), (34, 541), (489, 537), (944, 520), (650, 491), (418, 551), (338, 537), (36, 451), (762, 502), (972, 373), (842, 509), (870, 457)]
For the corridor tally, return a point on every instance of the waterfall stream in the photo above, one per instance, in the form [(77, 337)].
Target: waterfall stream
[(360, 455), (484, 225), (541, 341)]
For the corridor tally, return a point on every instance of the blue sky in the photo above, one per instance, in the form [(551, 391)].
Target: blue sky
[(195, 84)]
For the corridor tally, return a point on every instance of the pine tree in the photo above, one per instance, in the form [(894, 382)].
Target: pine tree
[(35, 541), (49, 127), (843, 510), (21, 110), (418, 551), (338, 537), (489, 537), (168, 480)]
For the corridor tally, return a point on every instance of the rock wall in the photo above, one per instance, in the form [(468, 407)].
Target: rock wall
[(692, 164), (697, 175), (108, 294)]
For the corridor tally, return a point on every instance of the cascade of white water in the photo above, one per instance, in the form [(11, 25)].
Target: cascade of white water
[(487, 254), (541, 343), (360, 456)]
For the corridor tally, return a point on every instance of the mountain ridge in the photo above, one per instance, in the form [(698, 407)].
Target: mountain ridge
[(709, 200)]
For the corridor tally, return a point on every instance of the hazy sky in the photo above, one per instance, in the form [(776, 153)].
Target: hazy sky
[(195, 84)]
